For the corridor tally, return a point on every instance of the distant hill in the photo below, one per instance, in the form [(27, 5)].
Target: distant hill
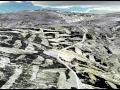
[(44, 17)]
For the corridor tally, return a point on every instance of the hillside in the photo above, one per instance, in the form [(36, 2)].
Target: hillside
[(45, 49)]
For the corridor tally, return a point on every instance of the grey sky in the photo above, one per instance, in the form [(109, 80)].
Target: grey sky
[(86, 6), (77, 3)]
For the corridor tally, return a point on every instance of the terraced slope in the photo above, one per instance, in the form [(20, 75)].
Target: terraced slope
[(45, 50)]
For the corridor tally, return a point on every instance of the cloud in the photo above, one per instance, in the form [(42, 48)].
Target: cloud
[(10, 1), (76, 3), (4, 1), (73, 6), (87, 6), (106, 9), (57, 3), (19, 1)]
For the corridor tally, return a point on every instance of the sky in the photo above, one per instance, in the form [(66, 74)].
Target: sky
[(70, 6)]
